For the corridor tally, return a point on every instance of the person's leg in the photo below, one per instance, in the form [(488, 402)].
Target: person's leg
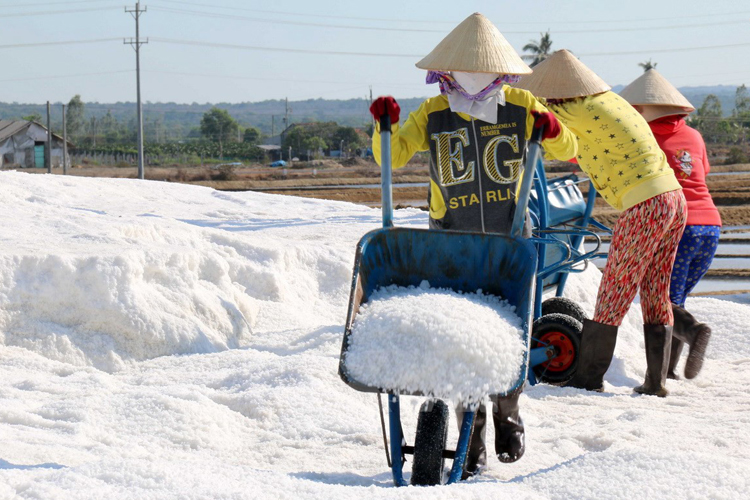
[(667, 218), (689, 331), (678, 289), (669, 212), (706, 240), (476, 456), (626, 262), (678, 280), (510, 439)]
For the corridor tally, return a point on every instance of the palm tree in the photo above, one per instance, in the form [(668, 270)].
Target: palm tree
[(539, 50), (647, 65)]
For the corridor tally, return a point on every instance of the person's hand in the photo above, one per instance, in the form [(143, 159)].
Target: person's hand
[(385, 105), (552, 127)]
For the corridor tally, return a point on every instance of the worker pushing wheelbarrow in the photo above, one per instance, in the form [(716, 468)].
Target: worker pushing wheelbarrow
[(477, 132)]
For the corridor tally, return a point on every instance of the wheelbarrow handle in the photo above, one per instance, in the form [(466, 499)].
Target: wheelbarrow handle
[(385, 123), (536, 134), (527, 178), (386, 189)]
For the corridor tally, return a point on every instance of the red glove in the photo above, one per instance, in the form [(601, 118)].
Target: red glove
[(385, 105), (552, 127)]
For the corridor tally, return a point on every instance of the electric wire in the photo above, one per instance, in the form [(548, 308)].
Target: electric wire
[(427, 21), (55, 12), (204, 14)]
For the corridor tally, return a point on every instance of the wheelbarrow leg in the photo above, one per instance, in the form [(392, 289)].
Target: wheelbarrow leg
[(462, 447), (394, 419)]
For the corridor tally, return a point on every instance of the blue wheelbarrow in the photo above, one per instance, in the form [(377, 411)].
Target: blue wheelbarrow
[(501, 265)]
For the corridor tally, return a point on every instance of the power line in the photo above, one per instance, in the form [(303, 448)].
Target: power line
[(66, 76), (426, 21), (278, 49), (65, 42), (293, 23), (656, 51), (55, 12), (278, 79), (39, 4), (233, 17)]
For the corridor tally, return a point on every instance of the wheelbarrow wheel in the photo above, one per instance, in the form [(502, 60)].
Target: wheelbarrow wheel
[(563, 332), (429, 443), (563, 305)]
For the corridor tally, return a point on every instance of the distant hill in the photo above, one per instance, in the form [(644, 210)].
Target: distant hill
[(177, 120)]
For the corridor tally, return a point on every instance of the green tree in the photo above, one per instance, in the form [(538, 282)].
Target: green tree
[(34, 117), (708, 119), (349, 137), (315, 145), (251, 135), (540, 50), (647, 65), (75, 122), (741, 112), (217, 125)]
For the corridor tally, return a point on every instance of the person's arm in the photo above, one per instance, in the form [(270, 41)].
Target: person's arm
[(559, 142), (405, 140)]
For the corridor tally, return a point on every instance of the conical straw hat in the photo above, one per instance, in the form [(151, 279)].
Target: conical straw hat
[(652, 111), (653, 89), (562, 76), (475, 46)]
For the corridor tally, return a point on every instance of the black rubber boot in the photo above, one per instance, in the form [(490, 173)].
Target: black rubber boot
[(476, 456), (658, 346), (694, 334), (510, 439), (595, 355), (674, 357)]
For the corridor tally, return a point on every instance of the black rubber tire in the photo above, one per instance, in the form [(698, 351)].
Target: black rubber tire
[(559, 326), (429, 443), (562, 305)]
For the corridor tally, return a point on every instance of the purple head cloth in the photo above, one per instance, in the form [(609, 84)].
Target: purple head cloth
[(449, 84)]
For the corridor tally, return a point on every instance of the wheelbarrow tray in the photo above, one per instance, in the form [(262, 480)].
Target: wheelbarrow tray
[(496, 264)]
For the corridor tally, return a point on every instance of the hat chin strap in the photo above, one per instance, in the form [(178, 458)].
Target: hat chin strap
[(474, 83)]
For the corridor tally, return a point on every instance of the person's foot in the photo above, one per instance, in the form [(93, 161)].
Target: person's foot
[(468, 474), (650, 390), (510, 444), (697, 351)]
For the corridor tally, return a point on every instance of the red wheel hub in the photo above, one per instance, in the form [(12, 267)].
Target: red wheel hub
[(565, 349)]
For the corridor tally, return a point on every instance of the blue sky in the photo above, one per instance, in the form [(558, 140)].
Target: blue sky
[(206, 51)]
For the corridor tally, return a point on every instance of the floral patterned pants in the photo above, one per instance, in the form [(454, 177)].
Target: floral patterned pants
[(694, 256), (641, 254)]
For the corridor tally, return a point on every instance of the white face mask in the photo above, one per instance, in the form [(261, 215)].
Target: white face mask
[(474, 83)]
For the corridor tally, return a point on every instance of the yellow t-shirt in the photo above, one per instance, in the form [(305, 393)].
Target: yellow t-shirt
[(616, 149)]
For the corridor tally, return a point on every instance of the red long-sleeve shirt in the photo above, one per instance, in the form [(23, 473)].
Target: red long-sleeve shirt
[(686, 154)]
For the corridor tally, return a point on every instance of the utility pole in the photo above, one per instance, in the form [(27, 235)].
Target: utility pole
[(136, 13), (273, 126), (65, 143), (286, 114), (48, 146), (373, 118)]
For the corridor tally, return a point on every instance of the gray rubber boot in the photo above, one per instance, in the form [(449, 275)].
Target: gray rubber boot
[(674, 357), (595, 355), (694, 334), (510, 436), (658, 346)]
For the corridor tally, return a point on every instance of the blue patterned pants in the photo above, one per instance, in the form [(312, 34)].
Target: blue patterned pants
[(694, 257)]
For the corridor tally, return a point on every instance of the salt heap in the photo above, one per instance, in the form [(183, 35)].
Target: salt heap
[(442, 343)]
